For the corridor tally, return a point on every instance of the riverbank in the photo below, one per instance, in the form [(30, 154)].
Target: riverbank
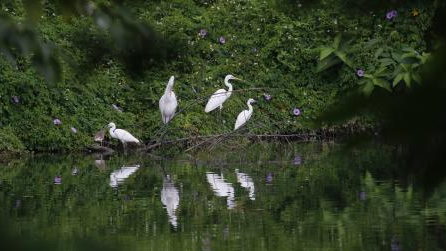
[(275, 52)]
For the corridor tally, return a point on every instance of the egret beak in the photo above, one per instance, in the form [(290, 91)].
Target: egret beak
[(238, 79)]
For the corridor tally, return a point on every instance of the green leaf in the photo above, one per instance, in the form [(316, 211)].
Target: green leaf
[(397, 57), (325, 52), (327, 63), (368, 88), (344, 58), (386, 61), (337, 41), (382, 83), (397, 79), (407, 79), (363, 81), (379, 52), (372, 42)]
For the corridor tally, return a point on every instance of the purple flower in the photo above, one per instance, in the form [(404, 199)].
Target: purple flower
[(360, 73), (203, 33), (266, 96), (57, 180), (222, 40), (391, 14), (269, 178), (116, 108), (297, 160), (362, 196), (394, 13), (73, 130), (57, 122), (296, 112), (15, 99)]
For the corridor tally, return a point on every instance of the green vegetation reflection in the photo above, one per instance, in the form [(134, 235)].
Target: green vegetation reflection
[(283, 197)]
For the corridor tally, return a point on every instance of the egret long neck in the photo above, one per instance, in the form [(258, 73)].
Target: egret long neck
[(112, 131), (229, 85), (169, 88), (249, 106)]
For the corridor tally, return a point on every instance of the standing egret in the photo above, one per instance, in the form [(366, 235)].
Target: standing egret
[(245, 115), (168, 102), (122, 135), (220, 96)]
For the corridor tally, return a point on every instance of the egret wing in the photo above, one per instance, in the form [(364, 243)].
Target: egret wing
[(242, 118), (216, 100), (125, 136)]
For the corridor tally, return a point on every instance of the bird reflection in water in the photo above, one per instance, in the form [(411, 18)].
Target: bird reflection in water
[(118, 177), (247, 183), (171, 200), (222, 188)]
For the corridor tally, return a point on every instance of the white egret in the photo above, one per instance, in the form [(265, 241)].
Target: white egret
[(171, 200), (220, 96), (246, 182), (168, 102), (245, 115), (118, 176), (221, 188), (122, 135)]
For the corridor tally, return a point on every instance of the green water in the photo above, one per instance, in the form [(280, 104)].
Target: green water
[(266, 197)]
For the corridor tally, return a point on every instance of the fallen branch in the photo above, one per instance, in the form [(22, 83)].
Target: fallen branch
[(229, 135)]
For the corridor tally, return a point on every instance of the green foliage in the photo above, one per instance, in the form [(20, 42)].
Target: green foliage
[(9, 142), (124, 55), (334, 54), (331, 193), (395, 66), (376, 79)]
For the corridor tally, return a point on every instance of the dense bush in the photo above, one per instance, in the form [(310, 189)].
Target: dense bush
[(9, 142), (264, 45)]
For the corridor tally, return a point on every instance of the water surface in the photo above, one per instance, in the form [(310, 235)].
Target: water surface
[(266, 197)]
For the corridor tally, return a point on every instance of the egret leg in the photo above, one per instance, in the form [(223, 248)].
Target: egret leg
[(220, 118)]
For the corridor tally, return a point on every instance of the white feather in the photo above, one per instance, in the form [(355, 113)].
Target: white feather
[(217, 99), (125, 137), (122, 135), (220, 96), (168, 102), (244, 116)]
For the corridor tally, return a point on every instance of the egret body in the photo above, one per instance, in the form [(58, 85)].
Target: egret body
[(245, 115), (122, 135), (168, 102), (220, 96)]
